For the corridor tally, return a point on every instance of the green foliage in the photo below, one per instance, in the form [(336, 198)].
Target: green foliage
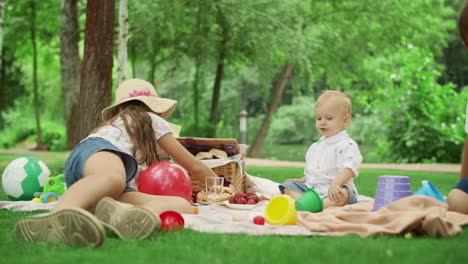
[(422, 120), (294, 123), (10, 80), (21, 126)]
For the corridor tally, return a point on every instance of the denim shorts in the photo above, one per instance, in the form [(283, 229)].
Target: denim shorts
[(300, 187), (80, 154), (462, 185)]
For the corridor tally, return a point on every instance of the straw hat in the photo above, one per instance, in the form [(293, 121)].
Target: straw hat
[(140, 90)]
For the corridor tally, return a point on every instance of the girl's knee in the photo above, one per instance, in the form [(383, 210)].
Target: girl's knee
[(170, 203), (457, 201)]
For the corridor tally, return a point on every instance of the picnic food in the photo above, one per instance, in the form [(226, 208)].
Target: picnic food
[(245, 198), (259, 220), (224, 193)]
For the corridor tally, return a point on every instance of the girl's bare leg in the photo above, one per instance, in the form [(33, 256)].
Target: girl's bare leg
[(157, 203), (104, 175), (457, 201)]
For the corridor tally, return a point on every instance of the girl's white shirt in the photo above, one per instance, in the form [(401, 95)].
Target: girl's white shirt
[(327, 157), (118, 136)]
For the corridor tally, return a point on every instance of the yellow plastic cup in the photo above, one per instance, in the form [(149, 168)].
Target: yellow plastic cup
[(281, 210)]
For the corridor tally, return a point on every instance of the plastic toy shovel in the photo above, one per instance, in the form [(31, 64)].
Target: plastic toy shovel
[(430, 190)]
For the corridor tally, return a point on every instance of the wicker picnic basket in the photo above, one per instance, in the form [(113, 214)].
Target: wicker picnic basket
[(233, 171)]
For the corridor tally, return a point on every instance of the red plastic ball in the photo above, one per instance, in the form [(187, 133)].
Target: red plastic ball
[(171, 221), (166, 178)]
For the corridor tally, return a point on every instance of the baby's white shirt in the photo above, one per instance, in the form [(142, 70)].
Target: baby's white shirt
[(327, 157)]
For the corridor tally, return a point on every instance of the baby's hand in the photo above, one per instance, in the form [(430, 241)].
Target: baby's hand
[(334, 192)]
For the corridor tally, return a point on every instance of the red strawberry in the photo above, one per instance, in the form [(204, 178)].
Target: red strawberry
[(251, 201), (249, 193), (252, 196), (242, 200), (238, 195), (232, 200), (259, 220)]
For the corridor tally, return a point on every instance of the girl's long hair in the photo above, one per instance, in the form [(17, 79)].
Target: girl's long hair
[(139, 127)]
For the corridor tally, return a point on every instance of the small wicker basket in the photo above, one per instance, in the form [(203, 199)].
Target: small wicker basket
[(233, 171)]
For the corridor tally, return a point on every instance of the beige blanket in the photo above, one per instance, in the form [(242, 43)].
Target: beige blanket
[(417, 214)]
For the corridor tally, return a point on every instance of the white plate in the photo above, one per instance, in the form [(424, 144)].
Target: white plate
[(239, 206), (208, 203)]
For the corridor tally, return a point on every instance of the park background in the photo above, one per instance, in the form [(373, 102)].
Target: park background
[(401, 61)]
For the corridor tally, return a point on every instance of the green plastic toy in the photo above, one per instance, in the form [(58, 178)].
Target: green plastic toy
[(55, 184), (53, 187)]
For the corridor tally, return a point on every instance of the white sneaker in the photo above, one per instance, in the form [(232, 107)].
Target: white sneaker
[(127, 222), (73, 227)]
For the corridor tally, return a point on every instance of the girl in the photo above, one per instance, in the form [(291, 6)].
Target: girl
[(99, 170)]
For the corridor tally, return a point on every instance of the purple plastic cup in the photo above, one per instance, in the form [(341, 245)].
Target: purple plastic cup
[(391, 188)]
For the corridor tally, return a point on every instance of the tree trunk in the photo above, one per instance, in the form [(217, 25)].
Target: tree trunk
[(96, 71), (70, 65), (2, 89), (123, 38), (196, 85), (2, 11), (37, 106), (214, 114), (279, 89), (133, 59)]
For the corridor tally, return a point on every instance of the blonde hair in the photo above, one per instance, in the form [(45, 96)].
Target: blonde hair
[(344, 100)]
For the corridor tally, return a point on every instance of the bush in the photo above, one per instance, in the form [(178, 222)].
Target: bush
[(20, 127), (422, 120), (294, 123)]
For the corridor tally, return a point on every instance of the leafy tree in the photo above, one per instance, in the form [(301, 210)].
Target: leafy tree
[(423, 120), (96, 71), (70, 67)]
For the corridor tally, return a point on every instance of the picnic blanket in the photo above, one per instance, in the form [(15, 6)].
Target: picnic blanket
[(417, 214)]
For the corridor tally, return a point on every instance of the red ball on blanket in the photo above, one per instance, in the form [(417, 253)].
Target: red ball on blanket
[(171, 221), (166, 178)]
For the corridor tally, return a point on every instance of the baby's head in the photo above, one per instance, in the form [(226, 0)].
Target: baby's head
[(332, 112)]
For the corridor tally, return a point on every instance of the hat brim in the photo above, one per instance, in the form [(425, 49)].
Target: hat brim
[(161, 106)]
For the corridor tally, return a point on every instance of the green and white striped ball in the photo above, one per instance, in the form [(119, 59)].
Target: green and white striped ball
[(23, 177)]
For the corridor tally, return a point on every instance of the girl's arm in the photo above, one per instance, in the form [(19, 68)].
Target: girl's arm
[(195, 167)]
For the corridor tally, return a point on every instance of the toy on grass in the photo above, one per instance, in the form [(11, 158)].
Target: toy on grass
[(171, 221), (24, 177), (53, 188), (166, 178)]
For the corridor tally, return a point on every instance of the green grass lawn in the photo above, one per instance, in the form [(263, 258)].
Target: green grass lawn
[(189, 246), (296, 152)]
